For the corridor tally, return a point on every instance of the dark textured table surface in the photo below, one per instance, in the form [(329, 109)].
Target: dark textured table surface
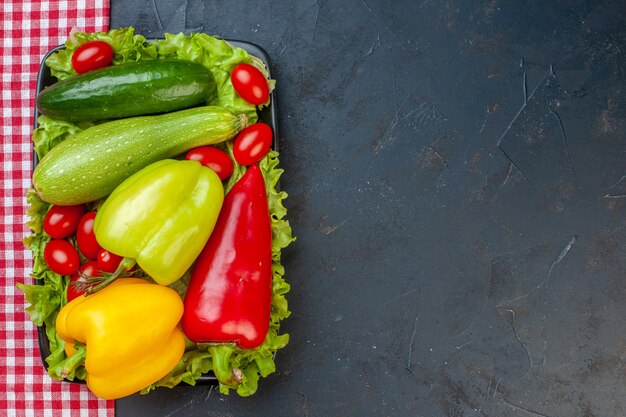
[(457, 181)]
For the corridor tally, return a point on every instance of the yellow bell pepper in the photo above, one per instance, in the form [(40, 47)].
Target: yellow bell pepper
[(130, 330)]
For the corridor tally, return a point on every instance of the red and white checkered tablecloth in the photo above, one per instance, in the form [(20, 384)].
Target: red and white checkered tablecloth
[(29, 29)]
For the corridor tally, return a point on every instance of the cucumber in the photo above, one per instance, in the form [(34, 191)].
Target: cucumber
[(90, 164), (134, 89)]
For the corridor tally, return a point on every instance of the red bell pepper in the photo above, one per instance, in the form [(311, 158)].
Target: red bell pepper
[(230, 292)]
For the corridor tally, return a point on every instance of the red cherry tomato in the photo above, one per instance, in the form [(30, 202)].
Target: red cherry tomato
[(88, 269), (61, 257), (214, 158), (252, 143), (62, 221), (92, 55), (107, 261), (250, 84), (85, 238)]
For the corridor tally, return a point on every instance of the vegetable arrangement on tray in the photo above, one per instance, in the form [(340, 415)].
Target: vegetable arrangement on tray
[(157, 226)]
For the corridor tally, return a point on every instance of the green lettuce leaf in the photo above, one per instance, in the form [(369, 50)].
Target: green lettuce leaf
[(43, 299), (127, 47), (52, 132)]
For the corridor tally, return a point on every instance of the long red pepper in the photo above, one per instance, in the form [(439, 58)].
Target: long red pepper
[(230, 291)]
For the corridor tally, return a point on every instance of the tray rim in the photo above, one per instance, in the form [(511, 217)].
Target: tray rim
[(268, 115)]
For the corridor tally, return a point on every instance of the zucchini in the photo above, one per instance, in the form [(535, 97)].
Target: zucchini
[(133, 89), (90, 164)]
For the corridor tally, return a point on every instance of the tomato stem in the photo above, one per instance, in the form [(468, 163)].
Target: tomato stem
[(95, 284), (244, 120)]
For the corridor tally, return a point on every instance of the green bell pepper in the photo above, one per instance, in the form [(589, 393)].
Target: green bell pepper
[(161, 217)]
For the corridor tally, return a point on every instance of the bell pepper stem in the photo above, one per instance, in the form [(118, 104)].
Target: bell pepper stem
[(66, 368), (73, 361), (125, 266), (221, 365)]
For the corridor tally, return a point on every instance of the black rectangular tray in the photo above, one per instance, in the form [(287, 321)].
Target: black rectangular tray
[(267, 115)]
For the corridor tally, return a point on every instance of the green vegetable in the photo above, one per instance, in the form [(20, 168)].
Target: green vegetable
[(161, 216), (132, 89), (250, 364), (91, 163)]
